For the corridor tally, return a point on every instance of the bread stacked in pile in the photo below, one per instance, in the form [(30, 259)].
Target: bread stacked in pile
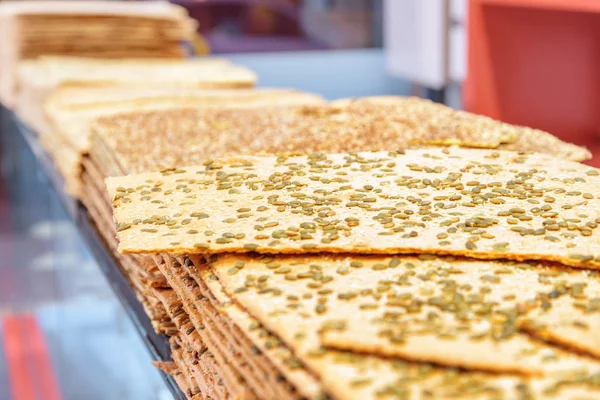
[(103, 29), (98, 161), (374, 248), (418, 273), (304, 258), (436, 272), (71, 110), (60, 97), (151, 140), (40, 78)]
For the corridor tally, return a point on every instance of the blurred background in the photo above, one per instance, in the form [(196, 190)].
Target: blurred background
[(529, 62)]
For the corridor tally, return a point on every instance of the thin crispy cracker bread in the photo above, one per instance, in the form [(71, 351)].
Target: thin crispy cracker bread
[(73, 121), (201, 72), (436, 123), (477, 203), (81, 110), (142, 274), (71, 111), (522, 138), (171, 368), (247, 368), (452, 312), (251, 367), (358, 376), (431, 123), (571, 322), (199, 361), (242, 325), (193, 384), (39, 77), (356, 127), (151, 9), (88, 28), (543, 142), (74, 98)]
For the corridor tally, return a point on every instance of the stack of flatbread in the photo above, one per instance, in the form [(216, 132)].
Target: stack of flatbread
[(102, 29), (70, 111), (347, 276), (40, 78), (399, 274)]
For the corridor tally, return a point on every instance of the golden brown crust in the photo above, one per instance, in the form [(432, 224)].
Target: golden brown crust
[(196, 136), (517, 138), (71, 111)]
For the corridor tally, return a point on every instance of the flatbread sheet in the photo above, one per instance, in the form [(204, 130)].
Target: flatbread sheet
[(522, 138), (72, 111), (409, 122), (476, 203), (455, 312), (359, 376)]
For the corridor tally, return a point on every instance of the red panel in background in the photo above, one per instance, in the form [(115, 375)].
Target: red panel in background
[(537, 63), (40, 358), (30, 370), (21, 381)]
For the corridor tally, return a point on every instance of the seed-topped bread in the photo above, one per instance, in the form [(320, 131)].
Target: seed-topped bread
[(71, 111), (524, 139), (454, 312), (364, 320), (195, 136), (297, 321), (68, 106), (476, 203)]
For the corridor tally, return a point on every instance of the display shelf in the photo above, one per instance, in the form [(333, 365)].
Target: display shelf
[(157, 345)]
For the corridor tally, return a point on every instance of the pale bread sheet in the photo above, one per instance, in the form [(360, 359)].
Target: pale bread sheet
[(149, 9), (167, 53), (51, 71), (72, 120), (455, 312), (242, 324), (476, 203), (69, 98), (572, 322), (358, 376)]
